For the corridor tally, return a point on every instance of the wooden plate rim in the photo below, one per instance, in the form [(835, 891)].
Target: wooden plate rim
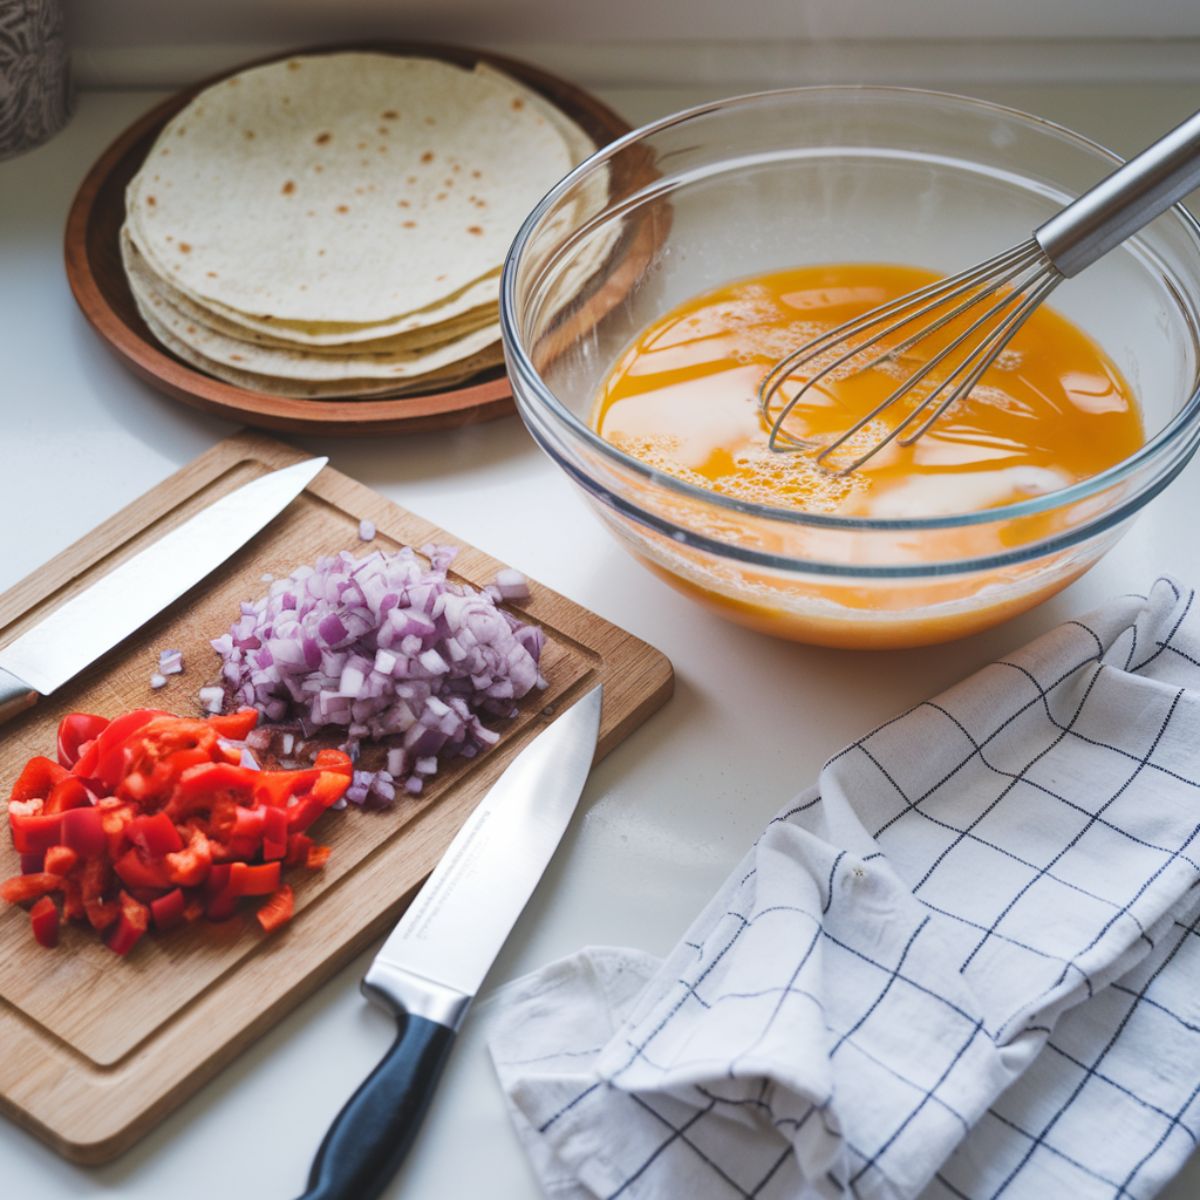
[(487, 399)]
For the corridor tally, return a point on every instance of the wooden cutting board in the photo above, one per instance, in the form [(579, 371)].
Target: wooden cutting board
[(96, 1049)]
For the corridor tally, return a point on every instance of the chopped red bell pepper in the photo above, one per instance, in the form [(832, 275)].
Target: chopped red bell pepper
[(59, 860), (67, 794), (318, 856), (156, 835), (152, 818), (131, 924), (83, 831), (73, 908), (234, 725), (75, 730), (299, 844), (278, 909), (37, 780), (168, 910), (106, 741), (136, 870), (275, 833), (32, 830), (95, 880), (44, 917), (253, 881), (116, 817), (220, 900), (191, 865), (27, 887)]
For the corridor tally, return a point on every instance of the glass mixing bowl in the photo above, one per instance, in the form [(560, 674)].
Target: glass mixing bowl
[(840, 174)]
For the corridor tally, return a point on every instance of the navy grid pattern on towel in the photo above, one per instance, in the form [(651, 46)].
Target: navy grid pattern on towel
[(964, 965)]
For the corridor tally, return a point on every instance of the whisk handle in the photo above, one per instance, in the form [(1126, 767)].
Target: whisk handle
[(1119, 205)]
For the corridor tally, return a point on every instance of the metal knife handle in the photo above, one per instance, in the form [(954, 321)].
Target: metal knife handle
[(371, 1135), (15, 696)]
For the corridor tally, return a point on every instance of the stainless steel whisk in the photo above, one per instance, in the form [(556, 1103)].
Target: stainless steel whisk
[(1007, 287)]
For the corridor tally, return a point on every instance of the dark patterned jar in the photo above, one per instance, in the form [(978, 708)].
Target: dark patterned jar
[(35, 81)]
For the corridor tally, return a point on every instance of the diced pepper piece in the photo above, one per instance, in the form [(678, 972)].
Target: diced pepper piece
[(101, 913), (32, 830), (191, 865), (237, 849), (44, 916), (249, 822), (235, 725), (116, 817), (299, 844), (132, 923), (214, 788), (67, 793), (155, 834), (261, 880), (59, 860), (275, 832), (75, 730), (137, 871), (318, 856), (168, 910), (73, 908), (95, 877), (104, 758), (220, 900), (27, 887), (327, 789), (83, 831), (278, 909), (218, 879), (37, 780)]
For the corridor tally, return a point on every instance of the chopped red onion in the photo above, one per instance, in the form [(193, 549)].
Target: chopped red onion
[(512, 585), (170, 662), (158, 681), (366, 530), (389, 649)]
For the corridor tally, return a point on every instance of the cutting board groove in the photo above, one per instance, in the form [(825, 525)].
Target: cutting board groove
[(96, 1050)]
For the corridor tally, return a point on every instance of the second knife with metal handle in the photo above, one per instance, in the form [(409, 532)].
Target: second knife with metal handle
[(432, 964), (91, 623)]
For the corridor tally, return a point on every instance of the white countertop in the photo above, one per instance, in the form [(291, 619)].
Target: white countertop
[(662, 819)]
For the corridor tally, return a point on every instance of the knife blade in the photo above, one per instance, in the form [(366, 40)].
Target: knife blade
[(91, 623), (433, 962)]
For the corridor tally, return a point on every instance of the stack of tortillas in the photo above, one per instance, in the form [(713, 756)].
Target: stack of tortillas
[(334, 225)]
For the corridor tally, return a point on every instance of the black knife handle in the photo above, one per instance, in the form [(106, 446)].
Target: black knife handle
[(371, 1135)]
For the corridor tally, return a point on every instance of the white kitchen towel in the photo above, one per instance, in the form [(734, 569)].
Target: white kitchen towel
[(965, 964)]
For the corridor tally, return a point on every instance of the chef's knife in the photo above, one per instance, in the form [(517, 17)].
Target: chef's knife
[(78, 632), (432, 964)]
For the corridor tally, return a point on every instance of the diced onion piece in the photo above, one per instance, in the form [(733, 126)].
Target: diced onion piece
[(170, 662), (157, 681), (366, 530), (512, 585)]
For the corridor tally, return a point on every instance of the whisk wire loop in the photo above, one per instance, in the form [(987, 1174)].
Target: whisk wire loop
[(1025, 264), (989, 350), (922, 372)]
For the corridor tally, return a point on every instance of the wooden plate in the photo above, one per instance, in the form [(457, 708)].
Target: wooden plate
[(97, 279)]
